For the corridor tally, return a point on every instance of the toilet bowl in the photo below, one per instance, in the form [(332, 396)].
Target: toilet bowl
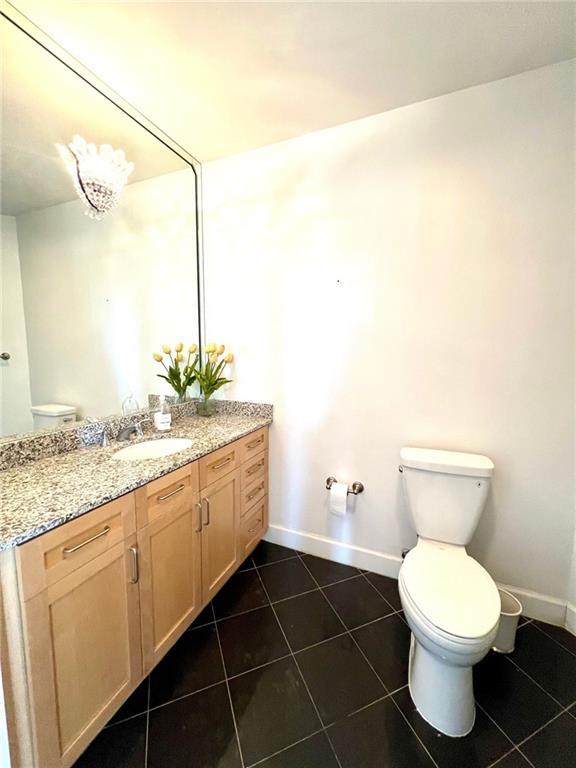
[(452, 608), (450, 601)]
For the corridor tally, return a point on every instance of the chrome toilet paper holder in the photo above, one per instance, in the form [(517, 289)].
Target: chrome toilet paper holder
[(356, 487)]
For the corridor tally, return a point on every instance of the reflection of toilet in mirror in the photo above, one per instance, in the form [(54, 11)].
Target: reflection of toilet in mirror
[(450, 601), (52, 415)]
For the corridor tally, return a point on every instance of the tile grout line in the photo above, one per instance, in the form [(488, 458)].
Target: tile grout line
[(292, 597), (374, 671), (544, 725), (242, 763), (536, 626), (503, 757), (186, 695), (523, 671), (258, 666), (285, 749), (274, 562), (147, 723), (375, 588), (518, 744), (502, 731), (298, 666)]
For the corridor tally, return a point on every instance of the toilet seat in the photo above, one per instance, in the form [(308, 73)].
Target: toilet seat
[(451, 592)]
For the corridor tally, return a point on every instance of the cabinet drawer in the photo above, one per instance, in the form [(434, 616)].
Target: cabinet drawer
[(55, 554), (253, 443), (252, 527), (252, 494), (254, 469), (219, 463), (173, 493)]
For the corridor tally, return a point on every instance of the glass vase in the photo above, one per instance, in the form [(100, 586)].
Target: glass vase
[(205, 406)]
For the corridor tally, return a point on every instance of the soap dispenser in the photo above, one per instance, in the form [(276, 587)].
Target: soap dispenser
[(163, 417)]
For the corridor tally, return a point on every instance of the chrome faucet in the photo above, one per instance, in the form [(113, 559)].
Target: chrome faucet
[(133, 430)]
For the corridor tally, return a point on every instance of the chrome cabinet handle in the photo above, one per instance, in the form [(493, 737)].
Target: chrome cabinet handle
[(4, 355), (254, 443), (255, 467), (172, 493), (70, 550), (222, 463), (135, 578), (255, 492), (207, 521), (199, 508)]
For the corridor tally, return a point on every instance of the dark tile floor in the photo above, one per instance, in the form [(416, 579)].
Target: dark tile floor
[(302, 663)]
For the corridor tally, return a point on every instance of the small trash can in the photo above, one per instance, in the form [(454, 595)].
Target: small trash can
[(510, 611)]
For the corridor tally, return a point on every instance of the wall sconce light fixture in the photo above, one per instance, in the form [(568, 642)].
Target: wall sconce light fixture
[(99, 174)]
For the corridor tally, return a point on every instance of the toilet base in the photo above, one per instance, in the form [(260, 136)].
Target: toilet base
[(443, 694)]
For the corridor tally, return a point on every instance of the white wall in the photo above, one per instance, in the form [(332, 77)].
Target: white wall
[(15, 415), (101, 296), (407, 279)]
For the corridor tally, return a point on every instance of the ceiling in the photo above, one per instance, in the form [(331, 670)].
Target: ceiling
[(222, 78)]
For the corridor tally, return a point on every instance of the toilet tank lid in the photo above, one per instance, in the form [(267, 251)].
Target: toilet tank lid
[(449, 462), (53, 409)]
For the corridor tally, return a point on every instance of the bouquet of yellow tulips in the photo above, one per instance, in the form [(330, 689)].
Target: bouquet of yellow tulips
[(179, 374), (209, 375)]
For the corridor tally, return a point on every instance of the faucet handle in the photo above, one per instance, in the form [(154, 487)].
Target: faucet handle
[(138, 425)]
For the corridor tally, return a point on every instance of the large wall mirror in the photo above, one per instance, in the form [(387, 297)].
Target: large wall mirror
[(86, 299)]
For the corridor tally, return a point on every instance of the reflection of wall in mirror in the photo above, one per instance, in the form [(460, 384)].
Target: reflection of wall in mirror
[(15, 415), (99, 297)]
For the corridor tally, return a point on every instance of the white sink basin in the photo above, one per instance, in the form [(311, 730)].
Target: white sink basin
[(152, 449)]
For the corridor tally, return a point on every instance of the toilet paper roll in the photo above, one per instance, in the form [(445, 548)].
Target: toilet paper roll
[(338, 498)]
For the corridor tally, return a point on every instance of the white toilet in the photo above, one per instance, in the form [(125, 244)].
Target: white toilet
[(451, 603)]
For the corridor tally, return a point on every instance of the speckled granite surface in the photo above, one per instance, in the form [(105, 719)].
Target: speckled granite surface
[(17, 450), (44, 494)]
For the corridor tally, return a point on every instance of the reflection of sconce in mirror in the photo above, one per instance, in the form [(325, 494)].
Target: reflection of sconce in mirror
[(99, 175)]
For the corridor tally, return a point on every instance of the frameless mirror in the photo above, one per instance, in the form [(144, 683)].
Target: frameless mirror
[(85, 302)]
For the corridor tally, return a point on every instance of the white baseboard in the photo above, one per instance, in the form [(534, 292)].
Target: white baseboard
[(571, 618), (534, 604), (322, 546)]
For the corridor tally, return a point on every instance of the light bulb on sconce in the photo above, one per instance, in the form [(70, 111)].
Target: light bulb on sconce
[(99, 174)]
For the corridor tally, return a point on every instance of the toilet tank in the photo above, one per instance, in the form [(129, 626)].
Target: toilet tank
[(52, 415), (446, 492)]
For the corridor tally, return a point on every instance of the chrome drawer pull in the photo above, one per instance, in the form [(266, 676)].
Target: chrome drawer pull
[(207, 521), (258, 524), (135, 567), (255, 468), (70, 550), (254, 443), (167, 496), (222, 463), (256, 492)]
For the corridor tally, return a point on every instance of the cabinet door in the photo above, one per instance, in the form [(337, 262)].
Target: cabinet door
[(170, 578), (83, 652), (221, 517)]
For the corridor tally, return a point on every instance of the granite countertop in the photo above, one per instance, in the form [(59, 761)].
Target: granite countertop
[(44, 494)]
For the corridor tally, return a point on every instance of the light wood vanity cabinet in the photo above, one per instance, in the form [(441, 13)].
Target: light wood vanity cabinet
[(81, 631), (105, 596), (169, 546), (220, 506)]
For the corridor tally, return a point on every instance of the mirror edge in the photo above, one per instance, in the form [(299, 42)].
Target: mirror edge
[(13, 16)]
